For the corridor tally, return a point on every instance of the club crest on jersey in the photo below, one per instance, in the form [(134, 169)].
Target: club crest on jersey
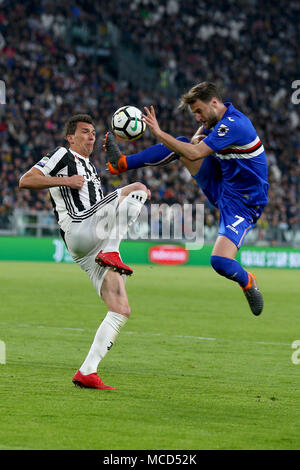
[(222, 130), (43, 161)]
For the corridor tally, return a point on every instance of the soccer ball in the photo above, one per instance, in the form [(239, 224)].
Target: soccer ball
[(127, 123)]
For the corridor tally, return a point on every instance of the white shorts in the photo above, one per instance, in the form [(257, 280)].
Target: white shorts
[(88, 233)]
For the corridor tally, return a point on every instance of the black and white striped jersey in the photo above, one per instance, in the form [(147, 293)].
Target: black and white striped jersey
[(71, 203)]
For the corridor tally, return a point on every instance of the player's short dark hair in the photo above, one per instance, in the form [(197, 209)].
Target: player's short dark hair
[(203, 91), (71, 124)]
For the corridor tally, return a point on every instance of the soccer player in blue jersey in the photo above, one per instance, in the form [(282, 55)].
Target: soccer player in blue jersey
[(227, 160)]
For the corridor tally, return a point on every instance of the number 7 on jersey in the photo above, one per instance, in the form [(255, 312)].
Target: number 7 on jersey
[(238, 221)]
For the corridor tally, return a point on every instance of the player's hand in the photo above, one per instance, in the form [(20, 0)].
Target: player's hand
[(197, 138), (75, 181), (150, 119)]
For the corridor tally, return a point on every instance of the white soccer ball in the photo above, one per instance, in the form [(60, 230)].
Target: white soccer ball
[(127, 123)]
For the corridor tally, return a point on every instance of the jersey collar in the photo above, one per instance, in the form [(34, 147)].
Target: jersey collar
[(229, 110), (229, 107), (76, 154)]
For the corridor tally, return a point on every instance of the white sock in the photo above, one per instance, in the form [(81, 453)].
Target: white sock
[(103, 341), (127, 213)]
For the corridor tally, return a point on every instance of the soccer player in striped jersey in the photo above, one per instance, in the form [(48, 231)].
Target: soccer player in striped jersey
[(227, 160), (92, 227)]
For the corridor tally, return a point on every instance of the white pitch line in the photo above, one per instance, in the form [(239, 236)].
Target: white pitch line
[(199, 338), (204, 338), (26, 325)]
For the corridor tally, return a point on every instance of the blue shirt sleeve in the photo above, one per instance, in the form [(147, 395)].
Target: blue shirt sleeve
[(223, 135)]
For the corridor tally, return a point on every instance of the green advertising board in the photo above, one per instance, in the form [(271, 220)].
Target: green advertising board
[(144, 252)]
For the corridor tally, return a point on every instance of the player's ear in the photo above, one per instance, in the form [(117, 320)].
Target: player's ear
[(70, 138)]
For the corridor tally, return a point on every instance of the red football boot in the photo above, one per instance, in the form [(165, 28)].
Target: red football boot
[(112, 259), (90, 381)]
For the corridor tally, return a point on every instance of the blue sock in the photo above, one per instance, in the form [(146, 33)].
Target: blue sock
[(230, 268), (153, 156)]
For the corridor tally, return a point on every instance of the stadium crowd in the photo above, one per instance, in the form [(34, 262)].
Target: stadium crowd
[(52, 70)]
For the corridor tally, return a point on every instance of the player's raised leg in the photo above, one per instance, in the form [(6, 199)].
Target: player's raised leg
[(114, 295), (156, 155), (131, 202)]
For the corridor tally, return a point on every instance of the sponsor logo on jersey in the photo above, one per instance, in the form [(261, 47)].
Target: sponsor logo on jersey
[(43, 162), (222, 130)]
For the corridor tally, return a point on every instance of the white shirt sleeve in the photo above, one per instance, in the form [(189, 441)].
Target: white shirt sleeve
[(52, 161)]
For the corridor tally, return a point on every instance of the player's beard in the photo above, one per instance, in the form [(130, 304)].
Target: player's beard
[(211, 120)]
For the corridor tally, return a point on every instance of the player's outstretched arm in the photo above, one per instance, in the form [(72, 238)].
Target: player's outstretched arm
[(188, 151), (35, 179)]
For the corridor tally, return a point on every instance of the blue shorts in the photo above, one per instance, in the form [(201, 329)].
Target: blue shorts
[(236, 217)]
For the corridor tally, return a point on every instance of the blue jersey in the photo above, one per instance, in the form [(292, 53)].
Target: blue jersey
[(242, 157)]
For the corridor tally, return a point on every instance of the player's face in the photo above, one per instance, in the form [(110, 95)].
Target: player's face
[(83, 140), (205, 113)]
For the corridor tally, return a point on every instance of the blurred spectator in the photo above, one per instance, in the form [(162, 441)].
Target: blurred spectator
[(59, 58)]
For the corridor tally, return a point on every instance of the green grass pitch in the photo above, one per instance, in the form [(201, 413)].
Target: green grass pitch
[(194, 369)]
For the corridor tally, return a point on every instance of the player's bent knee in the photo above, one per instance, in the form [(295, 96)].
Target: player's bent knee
[(134, 187), (135, 194), (138, 187)]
